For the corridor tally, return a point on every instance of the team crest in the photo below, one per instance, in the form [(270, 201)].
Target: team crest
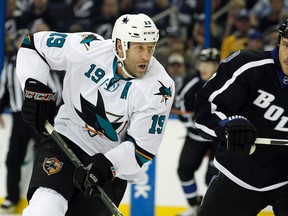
[(87, 39), (52, 165), (165, 92), (95, 118)]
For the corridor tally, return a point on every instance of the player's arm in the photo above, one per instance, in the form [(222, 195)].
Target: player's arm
[(38, 54), (145, 131), (217, 109)]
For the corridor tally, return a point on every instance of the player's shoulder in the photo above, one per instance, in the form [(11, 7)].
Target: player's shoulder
[(82, 41), (245, 64), (155, 83), (157, 71), (156, 74), (89, 45), (86, 40), (241, 57)]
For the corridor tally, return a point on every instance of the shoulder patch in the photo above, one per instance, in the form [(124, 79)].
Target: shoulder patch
[(52, 165), (165, 92), (229, 58)]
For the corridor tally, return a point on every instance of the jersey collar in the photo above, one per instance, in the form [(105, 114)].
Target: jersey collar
[(116, 77)]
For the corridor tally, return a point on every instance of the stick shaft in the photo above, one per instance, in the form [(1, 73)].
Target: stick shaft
[(77, 163), (267, 141)]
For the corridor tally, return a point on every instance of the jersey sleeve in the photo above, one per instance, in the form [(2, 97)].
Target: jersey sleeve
[(148, 120), (222, 96), (40, 52), (46, 50)]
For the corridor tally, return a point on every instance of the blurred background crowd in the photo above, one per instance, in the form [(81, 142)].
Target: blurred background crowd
[(235, 24)]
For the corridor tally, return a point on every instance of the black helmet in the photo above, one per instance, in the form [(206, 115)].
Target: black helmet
[(210, 54), (283, 30)]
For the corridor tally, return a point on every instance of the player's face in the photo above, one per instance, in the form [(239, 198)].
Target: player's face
[(283, 55), (138, 57), (207, 69)]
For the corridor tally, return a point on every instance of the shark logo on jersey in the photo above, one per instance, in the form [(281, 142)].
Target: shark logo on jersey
[(165, 92), (96, 120), (52, 165), (87, 39)]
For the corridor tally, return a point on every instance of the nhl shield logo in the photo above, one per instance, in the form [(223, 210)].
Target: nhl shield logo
[(52, 165)]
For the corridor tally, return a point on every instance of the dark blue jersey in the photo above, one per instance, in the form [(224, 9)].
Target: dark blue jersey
[(250, 84)]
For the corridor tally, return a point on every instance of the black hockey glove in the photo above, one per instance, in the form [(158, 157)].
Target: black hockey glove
[(39, 105), (241, 135), (95, 174)]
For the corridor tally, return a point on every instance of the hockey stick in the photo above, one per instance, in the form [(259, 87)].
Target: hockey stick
[(267, 141), (77, 163)]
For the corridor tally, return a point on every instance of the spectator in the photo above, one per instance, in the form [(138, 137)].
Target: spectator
[(11, 20), (103, 24), (234, 7), (255, 41), (39, 10), (167, 21), (85, 10), (173, 43), (127, 6), (275, 16), (263, 8), (238, 39), (196, 42), (270, 37)]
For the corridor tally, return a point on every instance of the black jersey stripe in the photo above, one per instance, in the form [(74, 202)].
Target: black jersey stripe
[(142, 156)]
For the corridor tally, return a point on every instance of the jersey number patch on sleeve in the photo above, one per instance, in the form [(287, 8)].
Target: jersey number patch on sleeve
[(98, 73), (157, 124), (56, 40)]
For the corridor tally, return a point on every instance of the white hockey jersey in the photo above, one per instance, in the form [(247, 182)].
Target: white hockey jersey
[(104, 113)]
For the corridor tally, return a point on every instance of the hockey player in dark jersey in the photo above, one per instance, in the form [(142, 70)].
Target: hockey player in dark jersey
[(247, 99), (195, 147)]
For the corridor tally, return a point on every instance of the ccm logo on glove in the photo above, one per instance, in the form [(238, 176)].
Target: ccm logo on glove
[(40, 96)]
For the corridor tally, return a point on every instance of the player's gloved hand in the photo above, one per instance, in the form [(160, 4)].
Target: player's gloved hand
[(39, 105), (95, 174), (241, 135)]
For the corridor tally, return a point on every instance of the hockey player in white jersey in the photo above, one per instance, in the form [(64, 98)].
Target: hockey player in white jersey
[(117, 99)]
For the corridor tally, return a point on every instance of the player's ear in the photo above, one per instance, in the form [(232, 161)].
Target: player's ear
[(119, 48)]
